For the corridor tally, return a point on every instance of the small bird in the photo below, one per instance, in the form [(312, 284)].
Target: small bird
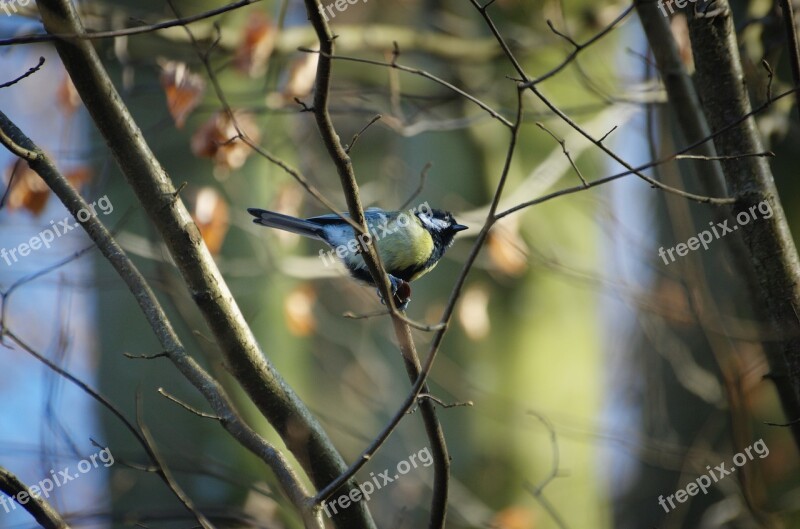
[(409, 243)]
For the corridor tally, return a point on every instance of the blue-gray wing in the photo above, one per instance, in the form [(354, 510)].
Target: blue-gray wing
[(372, 215), (338, 232)]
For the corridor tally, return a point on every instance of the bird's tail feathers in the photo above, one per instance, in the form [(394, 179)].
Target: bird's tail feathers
[(286, 223)]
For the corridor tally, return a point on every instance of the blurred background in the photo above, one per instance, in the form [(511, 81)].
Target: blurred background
[(600, 377)]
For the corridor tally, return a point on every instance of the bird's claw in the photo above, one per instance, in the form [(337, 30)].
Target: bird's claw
[(401, 291), (708, 9)]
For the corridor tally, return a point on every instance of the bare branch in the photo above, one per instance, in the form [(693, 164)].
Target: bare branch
[(154, 190), (425, 370), (145, 357), (787, 13), (422, 73), (49, 37), (41, 510), (443, 404), (154, 313), (358, 134), (565, 151), (536, 490), (578, 47), (187, 407), (164, 471), (30, 71), (531, 85), (770, 246), (653, 163)]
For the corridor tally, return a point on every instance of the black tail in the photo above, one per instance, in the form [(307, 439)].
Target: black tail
[(286, 223)]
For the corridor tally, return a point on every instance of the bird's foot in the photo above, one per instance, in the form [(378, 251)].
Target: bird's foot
[(709, 9), (401, 291)]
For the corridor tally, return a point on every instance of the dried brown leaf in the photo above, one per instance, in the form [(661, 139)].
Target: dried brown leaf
[(210, 214), (256, 47), (28, 190), (184, 90), (219, 140)]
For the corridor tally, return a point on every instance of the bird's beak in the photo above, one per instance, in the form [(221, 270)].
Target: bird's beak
[(458, 227)]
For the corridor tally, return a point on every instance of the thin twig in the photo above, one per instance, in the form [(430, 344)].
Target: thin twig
[(578, 47), (17, 168), (531, 85), (372, 259), (563, 144), (140, 435), (536, 491), (164, 471), (187, 407), (415, 324), (422, 73), (648, 165), (145, 357), (427, 365), (422, 176), (93, 35), (607, 134), (443, 404), (30, 72), (770, 77), (162, 328), (358, 134), (765, 154)]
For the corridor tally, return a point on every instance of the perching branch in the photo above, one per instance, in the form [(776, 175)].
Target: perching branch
[(421, 382), (371, 258)]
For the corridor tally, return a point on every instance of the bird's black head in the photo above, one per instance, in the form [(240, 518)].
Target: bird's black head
[(441, 225)]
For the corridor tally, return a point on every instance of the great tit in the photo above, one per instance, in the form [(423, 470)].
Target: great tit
[(410, 243)]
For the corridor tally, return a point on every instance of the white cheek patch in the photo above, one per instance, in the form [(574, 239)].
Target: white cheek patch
[(434, 223)]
